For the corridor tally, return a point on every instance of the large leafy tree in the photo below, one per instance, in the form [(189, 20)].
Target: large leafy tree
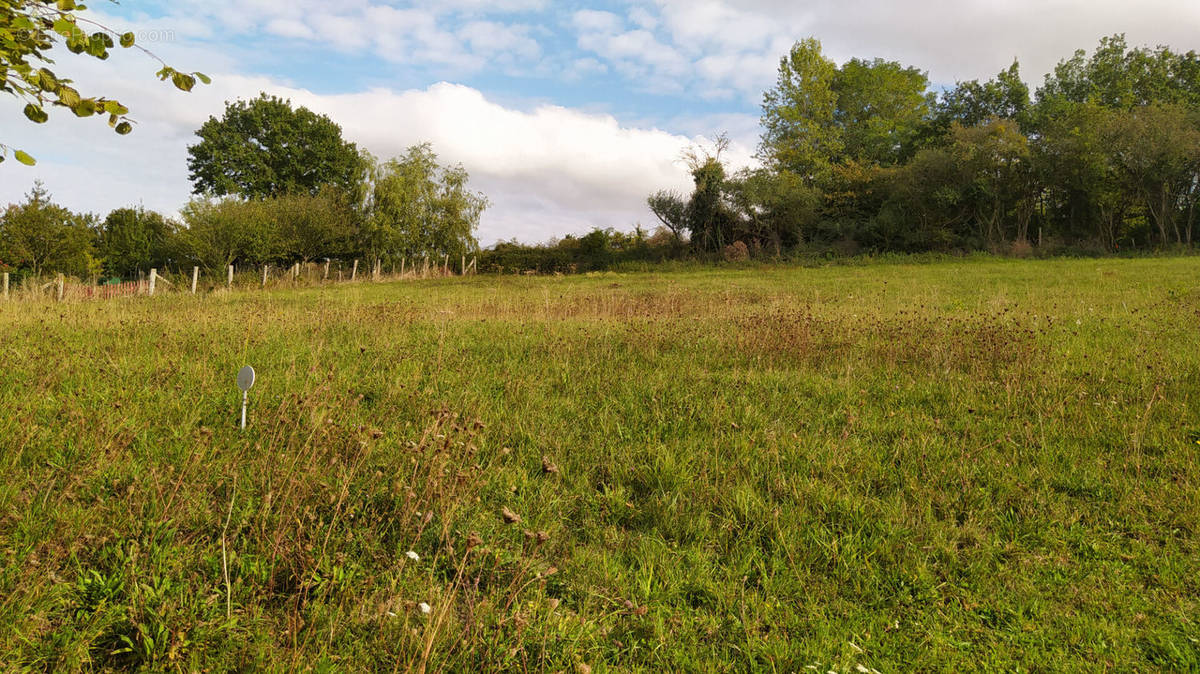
[(29, 31), (881, 109), (135, 239), (819, 115), (1120, 77), (1157, 150), (41, 236), (266, 148), (416, 206), (798, 120), (972, 103), (222, 232), (312, 226)]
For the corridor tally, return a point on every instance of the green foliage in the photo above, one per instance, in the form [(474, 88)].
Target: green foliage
[(309, 227), (29, 31), (220, 232), (281, 230), (598, 250), (415, 206), (798, 120), (1105, 157), (882, 108), (670, 208), (974, 103), (264, 148), (44, 237), (133, 240), (778, 208), (1116, 76)]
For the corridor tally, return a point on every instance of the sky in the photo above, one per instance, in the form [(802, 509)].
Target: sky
[(566, 113)]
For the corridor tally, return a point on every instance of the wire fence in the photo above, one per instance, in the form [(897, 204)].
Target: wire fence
[(235, 278)]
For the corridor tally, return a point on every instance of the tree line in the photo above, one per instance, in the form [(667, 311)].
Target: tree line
[(1103, 157), (274, 185)]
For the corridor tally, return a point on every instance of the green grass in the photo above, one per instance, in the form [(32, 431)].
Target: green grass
[(952, 466)]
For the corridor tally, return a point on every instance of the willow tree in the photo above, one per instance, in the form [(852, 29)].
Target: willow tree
[(415, 206)]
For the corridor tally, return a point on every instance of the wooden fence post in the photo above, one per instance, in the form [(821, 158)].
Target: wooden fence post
[(402, 261), (61, 282), (264, 279), (375, 272), (474, 265), (354, 272), (195, 278), (326, 270), (153, 280), (463, 268), (425, 272), (6, 285)]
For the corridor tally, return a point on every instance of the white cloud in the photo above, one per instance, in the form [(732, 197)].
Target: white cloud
[(712, 48)]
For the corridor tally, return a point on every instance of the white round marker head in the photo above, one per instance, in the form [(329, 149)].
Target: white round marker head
[(245, 379)]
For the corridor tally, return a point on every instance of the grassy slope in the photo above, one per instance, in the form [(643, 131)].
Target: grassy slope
[(899, 467)]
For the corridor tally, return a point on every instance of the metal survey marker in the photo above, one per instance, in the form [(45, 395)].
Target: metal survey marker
[(245, 381)]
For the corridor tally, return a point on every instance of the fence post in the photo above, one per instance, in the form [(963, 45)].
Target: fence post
[(264, 278), (326, 278), (153, 279), (195, 278), (402, 261), (378, 268), (6, 285), (354, 272), (474, 265), (425, 271), (229, 279), (61, 283)]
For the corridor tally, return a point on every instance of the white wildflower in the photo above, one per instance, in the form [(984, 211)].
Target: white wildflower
[(413, 556), (425, 608)]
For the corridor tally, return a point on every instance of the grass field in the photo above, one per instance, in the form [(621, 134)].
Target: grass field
[(952, 466)]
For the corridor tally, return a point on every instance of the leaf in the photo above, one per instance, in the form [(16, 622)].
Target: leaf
[(203, 78), (36, 114), (68, 97), (84, 108), (47, 81), (66, 5), (64, 27), (115, 108), (24, 158), (124, 128), (127, 40), (183, 82)]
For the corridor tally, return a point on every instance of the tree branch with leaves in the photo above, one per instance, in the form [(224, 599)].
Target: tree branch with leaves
[(30, 30)]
